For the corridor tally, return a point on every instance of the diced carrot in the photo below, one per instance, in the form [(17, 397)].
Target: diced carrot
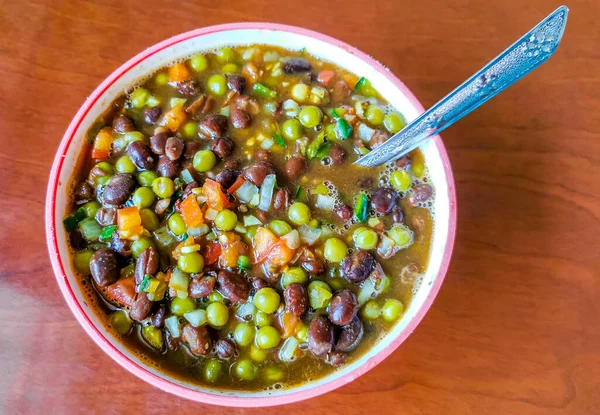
[(236, 185), (179, 72), (289, 322), (211, 253), (121, 292), (264, 241), (215, 198), (174, 118), (129, 222), (191, 212), (102, 144), (325, 76)]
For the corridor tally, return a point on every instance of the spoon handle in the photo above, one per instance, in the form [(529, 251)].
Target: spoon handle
[(522, 57)]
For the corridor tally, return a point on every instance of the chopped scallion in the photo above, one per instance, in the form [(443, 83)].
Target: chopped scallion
[(145, 282), (264, 91), (107, 232), (343, 130), (361, 209), (73, 219), (279, 140)]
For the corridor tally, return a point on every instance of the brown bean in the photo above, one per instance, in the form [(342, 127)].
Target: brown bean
[(336, 359), (258, 283), (232, 164), (296, 65), (188, 87), (350, 336), (201, 287), (357, 267), (83, 192), (240, 119), (141, 307), (141, 155), (379, 138), (197, 338), (187, 190), (296, 299), (119, 245), (151, 115), (106, 216), (214, 126), (341, 91), (343, 307), (118, 189), (222, 147), (263, 155), (167, 167), (161, 206), (420, 193), (402, 162), (227, 177), (295, 167), (146, 264), (258, 171), (196, 105), (343, 212), (172, 342), (262, 215), (320, 336), (337, 154), (190, 149), (236, 83), (310, 262), (398, 215), (174, 148), (384, 200), (366, 182), (282, 199), (158, 143), (77, 240), (233, 286), (123, 124), (158, 318), (225, 348)]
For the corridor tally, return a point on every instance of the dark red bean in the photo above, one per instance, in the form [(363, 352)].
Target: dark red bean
[(240, 119), (227, 177), (187, 190), (106, 216), (310, 262), (357, 267), (384, 201), (196, 105), (77, 240), (119, 245), (295, 167), (398, 215), (158, 143), (402, 162), (344, 212), (172, 342), (420, 193), (188, 87), (222, 147), (336, 359), (343, 307), (236, 83), (167, 167), (214, 125), (262, 215), (320, 336), (161, 206), (262, 155), (366, 182), (232, 164), (158, 318), (146, 264), (225, 348), (174, 148), (258, 171), (337, 154), (83, 192), (258, 283), (282, 199), (123, 124), (296, 299), (141, 307), (190, 148), (151, 115), (233, 286), (141, 155), (350, 336), (341, 91), (201, 287), (296, 65), (118, 189), (197, 338)]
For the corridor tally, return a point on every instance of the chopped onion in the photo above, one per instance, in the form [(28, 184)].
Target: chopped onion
[(196, 317), (309, 235), (248, 53), (251, 220), (269, 107), (287, 353), (246, 311), (255, 200), (365, 132), (225, 111), (270, 56), (199, 231), (366, 291), (239, 228), (188, 249), (386, 247), (291, 108), (267, 144), (266, 192), (211, 214), (246, 192), (292, 239), (325, 202), (172, 324)]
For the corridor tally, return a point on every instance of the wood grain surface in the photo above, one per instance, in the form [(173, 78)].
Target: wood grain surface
[(515, 328)]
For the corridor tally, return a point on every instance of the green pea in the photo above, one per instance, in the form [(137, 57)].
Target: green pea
[(189, 129), (217, 84), (257, 354), (245, 370), (180, 306), (143, 197), (330, 132), (375, 115), (243, 334), (139, 246), (336, 284), (125, 165), (394, 122), (213, 370), (225, 55), (267, 337), (273, 374), (302, 333), (319, 294), (267, 300), (161, 79), (191, 263), (216, 297), (119, 320), (392, 310), (81, 261), (217, 314), (204, 160), (146, 178), (106, 167), (371, 310), (198, 63), (401, 235), (153, 336), (299, 213), (91, 208), (225, 220), (292, 129), (163, 187), (177, 224), (139, 97), (310, 116), (293, 274), (150, 220), (280, 227), (365, 238), (401, 180), (103, 180), (229, 69), (335, 250), (262, 319)]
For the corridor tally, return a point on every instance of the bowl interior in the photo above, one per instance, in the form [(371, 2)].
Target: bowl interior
[(212, 38)]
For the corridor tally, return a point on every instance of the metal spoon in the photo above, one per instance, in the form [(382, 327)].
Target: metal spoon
[(522, 57)]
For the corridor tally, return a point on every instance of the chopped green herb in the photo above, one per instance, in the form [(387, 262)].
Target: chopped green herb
[(315, 145), (107, 232), (324, 150), (264, 91), (187, 176), (244, 262), (334, 114), (361, 82), (73, 219), (184, 236), (145, 282), (363, 87), (298, 190), (361, 209), (302, 51), (279, 140), (343, 129)]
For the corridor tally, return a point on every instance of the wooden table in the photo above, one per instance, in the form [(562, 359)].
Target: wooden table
[(514, 329)]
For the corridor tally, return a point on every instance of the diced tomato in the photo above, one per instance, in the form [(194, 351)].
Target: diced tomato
[(179, 72), (215, 198), (325, 76), (121, 292), (289, 323), (211, 253), (102, 144), (236, 185), (191, 212), (232, 248), (264, 241), (129, 222), (281, 254)]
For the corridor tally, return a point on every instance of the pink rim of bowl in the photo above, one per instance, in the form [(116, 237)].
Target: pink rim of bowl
[(138, 369)]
